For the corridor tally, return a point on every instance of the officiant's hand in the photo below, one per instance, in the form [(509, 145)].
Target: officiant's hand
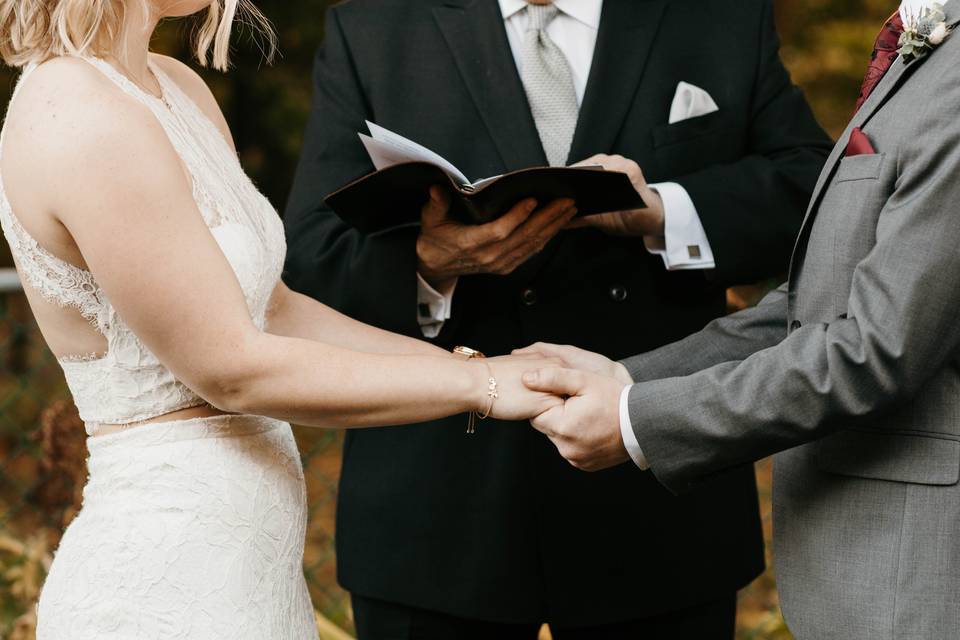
[(586, 427), (574, 358), (638, 222), (447, 249)]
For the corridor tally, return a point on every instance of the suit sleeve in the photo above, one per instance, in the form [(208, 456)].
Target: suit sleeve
[(729, 339), (901, 328), (368, 277), (751, 209)]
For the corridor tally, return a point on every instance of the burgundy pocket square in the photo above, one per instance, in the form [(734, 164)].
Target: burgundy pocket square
[(859, 144)]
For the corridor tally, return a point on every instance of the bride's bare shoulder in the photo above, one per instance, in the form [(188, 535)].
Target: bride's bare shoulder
[(70, 124), (67, 100), (196, 89), (66, 83)]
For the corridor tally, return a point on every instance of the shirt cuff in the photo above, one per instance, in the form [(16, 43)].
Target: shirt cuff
[(626, 431), (685, 244), (433, 307)]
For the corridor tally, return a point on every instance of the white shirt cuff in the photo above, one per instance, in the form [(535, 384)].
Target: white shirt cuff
[(685, 244), (626, 431), (433, 307)]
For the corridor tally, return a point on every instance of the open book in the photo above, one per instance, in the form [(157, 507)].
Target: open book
[(393, 195)]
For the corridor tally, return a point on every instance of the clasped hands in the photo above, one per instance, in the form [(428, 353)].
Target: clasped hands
[(570, 395)]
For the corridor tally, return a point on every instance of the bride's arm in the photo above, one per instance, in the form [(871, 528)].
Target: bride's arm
[(297, 316), (292, 314), (107, 169)]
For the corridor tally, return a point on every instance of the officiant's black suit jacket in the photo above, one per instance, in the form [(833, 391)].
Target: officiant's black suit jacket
[(497, 526)]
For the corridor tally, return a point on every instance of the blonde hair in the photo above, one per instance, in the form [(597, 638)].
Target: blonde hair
[(36, 30)]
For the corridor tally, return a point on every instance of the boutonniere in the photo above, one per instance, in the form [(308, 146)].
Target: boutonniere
[(923, 34)]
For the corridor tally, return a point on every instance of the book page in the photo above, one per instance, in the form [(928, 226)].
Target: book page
[(387, 148), (484, 182)]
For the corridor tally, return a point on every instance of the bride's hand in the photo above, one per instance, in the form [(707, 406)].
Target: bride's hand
[(515, 401)]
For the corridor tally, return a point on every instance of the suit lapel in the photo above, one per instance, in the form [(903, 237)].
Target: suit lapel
[(475, 34), (626, 35), (883, 91), (627, 32), (896, 76)]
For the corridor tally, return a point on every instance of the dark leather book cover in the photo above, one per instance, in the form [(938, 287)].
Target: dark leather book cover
[(393, 196)]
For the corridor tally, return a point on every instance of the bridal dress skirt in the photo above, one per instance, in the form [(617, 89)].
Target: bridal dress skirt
[(190, 530)]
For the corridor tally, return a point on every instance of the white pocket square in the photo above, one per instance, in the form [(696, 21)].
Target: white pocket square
[(690, 102)]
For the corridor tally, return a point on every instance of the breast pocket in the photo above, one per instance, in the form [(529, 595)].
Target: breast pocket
[(689, 129), (853, 204), (690, 145), (860, 167)]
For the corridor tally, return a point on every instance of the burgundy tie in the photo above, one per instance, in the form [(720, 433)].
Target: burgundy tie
[(884, 53)]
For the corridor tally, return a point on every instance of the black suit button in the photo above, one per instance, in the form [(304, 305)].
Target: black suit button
[(795, 325), (618, 293), (529, 296)]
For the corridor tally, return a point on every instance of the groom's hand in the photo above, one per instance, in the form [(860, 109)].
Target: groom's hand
[(447, 249), (574, 358), (515, 400), (586, 427)]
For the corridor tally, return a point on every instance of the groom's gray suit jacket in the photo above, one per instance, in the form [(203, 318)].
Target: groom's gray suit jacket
[(851, 370)]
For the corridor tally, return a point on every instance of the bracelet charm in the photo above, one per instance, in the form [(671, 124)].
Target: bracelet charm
[(492, 395), (466, 353)]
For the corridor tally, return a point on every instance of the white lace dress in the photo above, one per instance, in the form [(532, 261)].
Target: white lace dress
[(191, 529)]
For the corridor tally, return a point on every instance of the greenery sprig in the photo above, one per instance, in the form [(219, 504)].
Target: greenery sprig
[(924, 33)]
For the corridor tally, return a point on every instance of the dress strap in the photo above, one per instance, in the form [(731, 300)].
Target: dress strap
[(24, 74), (57, 281), (124, 83)]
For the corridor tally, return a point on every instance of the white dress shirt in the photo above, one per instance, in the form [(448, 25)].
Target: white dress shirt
[(574, 31), (908, 9)]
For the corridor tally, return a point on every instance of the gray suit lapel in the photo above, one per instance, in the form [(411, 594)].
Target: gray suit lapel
[(888, 86)]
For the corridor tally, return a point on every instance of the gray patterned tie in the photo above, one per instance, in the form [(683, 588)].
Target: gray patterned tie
[(548, 82)]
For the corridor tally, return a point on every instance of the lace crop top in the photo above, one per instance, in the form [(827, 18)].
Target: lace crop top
[(128, 383)]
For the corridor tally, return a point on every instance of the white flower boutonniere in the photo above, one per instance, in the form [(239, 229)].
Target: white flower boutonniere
[(923, 34)]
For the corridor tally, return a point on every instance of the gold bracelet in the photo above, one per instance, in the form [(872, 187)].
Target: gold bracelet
[(492, 396), (466, 353)]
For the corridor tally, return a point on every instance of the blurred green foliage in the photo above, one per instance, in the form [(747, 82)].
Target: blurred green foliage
[(826, 47)]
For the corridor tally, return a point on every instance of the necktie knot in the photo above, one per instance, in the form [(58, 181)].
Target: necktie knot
[(539, 16)]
